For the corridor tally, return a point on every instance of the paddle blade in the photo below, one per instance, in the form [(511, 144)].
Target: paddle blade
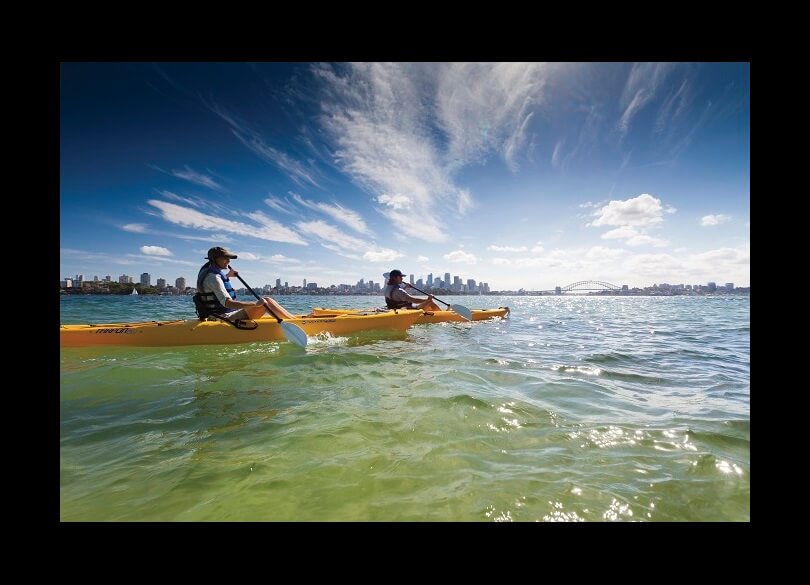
[(294, 333), (463, 311)]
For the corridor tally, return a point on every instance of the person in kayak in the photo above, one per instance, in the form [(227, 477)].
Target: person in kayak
[(215, 295), (397, 298)]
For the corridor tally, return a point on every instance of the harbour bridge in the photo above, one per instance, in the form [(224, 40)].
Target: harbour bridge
[(590, 285), (584, 286)]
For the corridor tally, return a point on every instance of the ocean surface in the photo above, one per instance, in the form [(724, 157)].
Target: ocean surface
[(573, 409)]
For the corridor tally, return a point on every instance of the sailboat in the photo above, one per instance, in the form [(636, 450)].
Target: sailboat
[(134, 291)]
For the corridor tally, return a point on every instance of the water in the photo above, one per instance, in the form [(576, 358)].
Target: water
[(573, 409)]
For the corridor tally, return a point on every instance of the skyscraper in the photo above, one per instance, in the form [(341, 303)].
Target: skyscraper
[(146, 279), (180, 283)]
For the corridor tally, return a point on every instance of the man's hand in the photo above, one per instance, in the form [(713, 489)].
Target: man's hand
[(231, 272)]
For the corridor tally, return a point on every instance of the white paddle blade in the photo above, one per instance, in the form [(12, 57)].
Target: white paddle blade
[(386, 275), (463, 311), (294, 333)]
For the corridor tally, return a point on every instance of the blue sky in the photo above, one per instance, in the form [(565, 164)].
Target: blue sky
[(520, 175)]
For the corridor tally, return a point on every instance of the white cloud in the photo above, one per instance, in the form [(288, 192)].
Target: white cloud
[(295, 169), (382, 255), (710, 220), (644, 210), (620, 233), (197, 178), (382, 118), (346, 245), (156, 251), (633, 237), (248, 256), (537, 249), (422, 259), (138, 228), (268, 229), (279, 205), (460, 256), (495, 248), (641, 86), (394, 201), (643, 239), (337, 212), (600, 253)]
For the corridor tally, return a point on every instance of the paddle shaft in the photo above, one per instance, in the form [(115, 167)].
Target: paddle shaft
[(424, 293), (267, 306)]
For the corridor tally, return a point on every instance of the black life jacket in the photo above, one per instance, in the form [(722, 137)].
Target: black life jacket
[(392, 304), (207, 303)]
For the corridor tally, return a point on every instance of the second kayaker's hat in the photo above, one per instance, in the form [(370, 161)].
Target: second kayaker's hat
[(394, 273), (219, 251)]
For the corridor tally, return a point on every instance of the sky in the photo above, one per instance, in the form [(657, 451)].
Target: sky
[(520, 175)]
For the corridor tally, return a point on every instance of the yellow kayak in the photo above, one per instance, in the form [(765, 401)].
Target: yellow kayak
[(196, 332), (427, 317)]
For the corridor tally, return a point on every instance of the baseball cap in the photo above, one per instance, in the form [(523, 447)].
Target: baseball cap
[(218, 251), (394, 273)]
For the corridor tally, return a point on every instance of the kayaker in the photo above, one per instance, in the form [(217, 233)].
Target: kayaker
[(215, 295), (397, 298)]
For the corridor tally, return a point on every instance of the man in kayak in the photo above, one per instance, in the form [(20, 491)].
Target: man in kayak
[(215, 295), (397, 298)]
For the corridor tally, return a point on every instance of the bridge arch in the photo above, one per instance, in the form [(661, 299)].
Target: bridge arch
[(590, 285)]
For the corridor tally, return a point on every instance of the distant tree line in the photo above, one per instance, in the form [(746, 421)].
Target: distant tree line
[(110, 288)]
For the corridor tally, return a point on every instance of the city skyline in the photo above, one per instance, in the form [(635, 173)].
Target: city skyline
[(523, 175)]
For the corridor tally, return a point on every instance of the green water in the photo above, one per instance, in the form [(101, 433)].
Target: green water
[(573, 409)]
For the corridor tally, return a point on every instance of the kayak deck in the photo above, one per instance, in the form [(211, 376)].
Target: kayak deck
[(428, 317), (196, 332)]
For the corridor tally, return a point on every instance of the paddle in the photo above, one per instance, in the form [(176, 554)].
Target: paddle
[(291, 331), (460, 309)]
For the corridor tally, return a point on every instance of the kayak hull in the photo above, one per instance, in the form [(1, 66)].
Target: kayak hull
[(429, 316), (196, 332)]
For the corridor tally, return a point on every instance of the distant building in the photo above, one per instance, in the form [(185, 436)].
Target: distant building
[(146, 279), (161, 283), (411, 279), (108, 278), (312, 285), (180, 284), (712, 286), (729, 286), (278, 283)]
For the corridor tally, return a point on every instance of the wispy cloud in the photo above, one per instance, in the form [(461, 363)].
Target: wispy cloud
[(349, 246), (299, 172), (197, 178), (138, 228), (384, 120), (268, 229), (641, 87), (710, 220), (422, 259), (495, 248), (281, 205), (155, 251), (337, 212)]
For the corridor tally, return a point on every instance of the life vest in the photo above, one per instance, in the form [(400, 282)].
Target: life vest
[(207, 303), (391, 303)]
